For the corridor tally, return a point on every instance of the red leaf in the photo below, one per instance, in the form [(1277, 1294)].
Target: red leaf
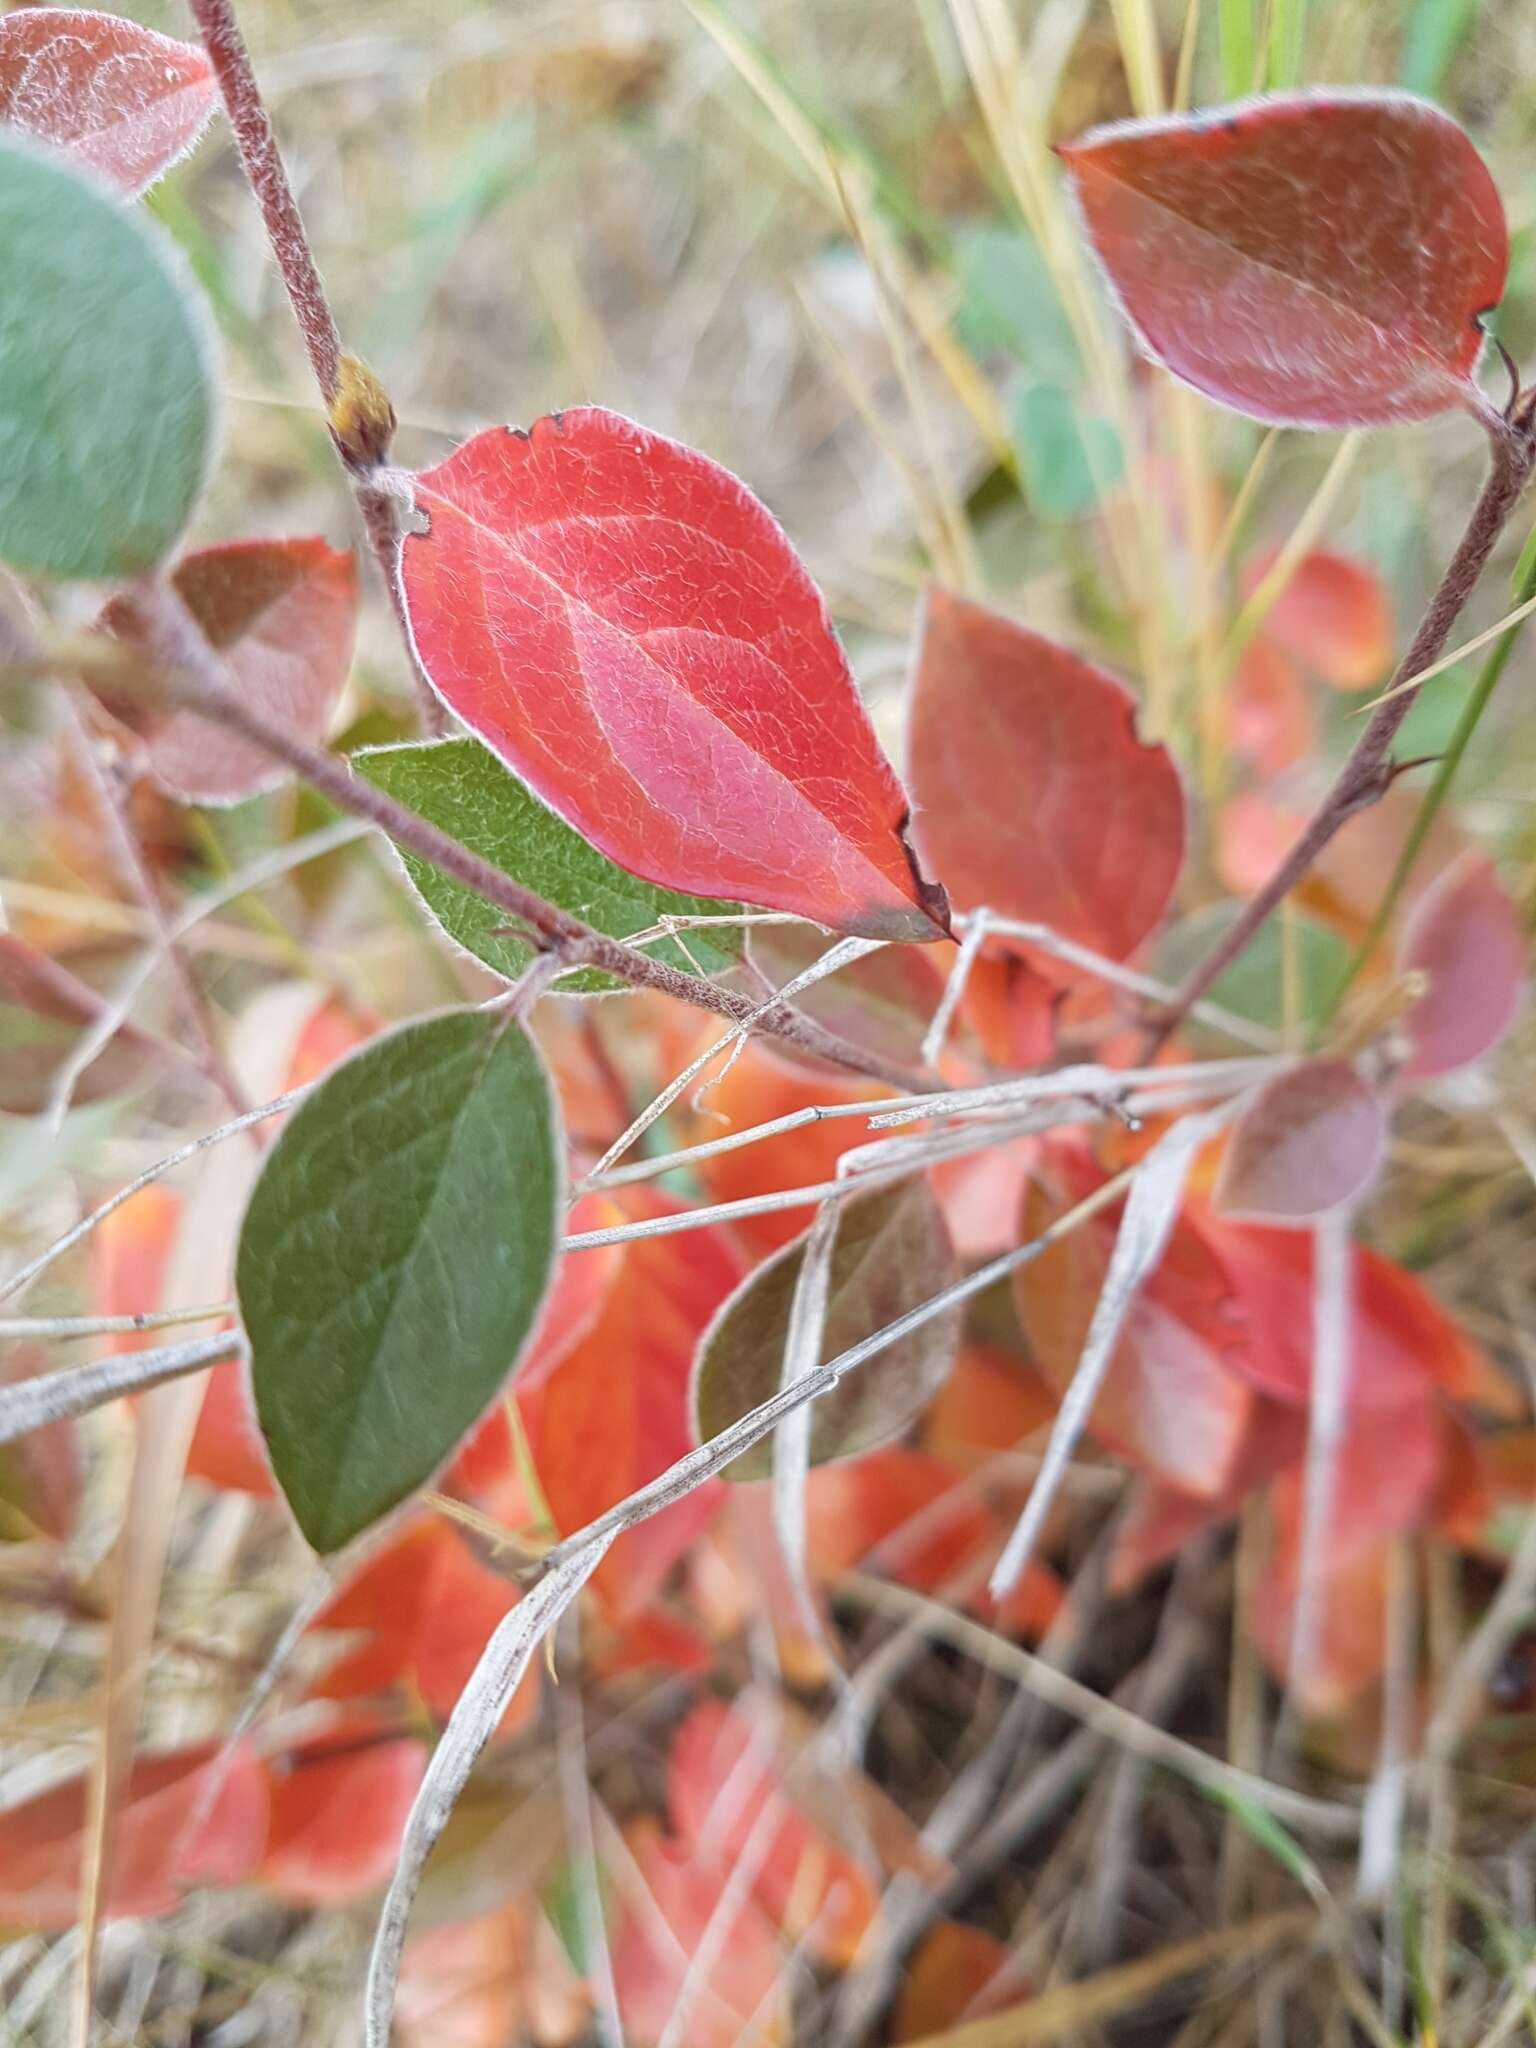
[(122, 99), (742, 2001), (1269, 713), (1401, 1340), (428, 1607), (991, 1402), (1465, 934), (154, 1859), (1034, 796), (756, 1090), (1310, 1139), (726, 1801), (624, 624), (462, 1984), (1312, 259), (575, 1298), (1333, 615), (282, 613), (337, 1816), (1172, 1400), (615, 1411), (1161, 1520)]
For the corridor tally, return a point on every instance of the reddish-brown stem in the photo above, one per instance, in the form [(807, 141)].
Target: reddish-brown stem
[(195, 676), (357, 408), (1368, 773), (114, 801), (269, 182)]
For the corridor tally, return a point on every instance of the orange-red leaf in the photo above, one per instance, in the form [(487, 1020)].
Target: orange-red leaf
[(1270, 718), (1333, 615), (1401, 1340), (948, 1981), (1172, 1400), (337, 1813), (742, 2000), (614, 1412), (1311, 1139), (1314, 259), (1034, 795), (623, 623), (156, 1856), (1465, 934), (726, 1801), (282, 614), (121, 99)]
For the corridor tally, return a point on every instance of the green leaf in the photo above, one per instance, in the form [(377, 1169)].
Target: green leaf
[(1254, 986), (893, 1252), (462, 788), (1009, 304), (393, 1260), (1067, 463), (106, 386)]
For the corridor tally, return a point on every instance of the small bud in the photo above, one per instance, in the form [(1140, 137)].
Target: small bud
[(362, 419)]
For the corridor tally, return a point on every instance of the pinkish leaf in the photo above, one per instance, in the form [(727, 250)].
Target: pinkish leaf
[(1034, 795), (1464, 933), (1333, 615), (120, 98), (1314, 259), (1310, 1139), (43, 1010), (282, 613), (623, 623)]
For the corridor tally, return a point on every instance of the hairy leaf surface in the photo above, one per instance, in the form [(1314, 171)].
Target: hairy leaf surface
[(1314, 259), (393, 1260), (122, 99), (461, 787), (106, 390)]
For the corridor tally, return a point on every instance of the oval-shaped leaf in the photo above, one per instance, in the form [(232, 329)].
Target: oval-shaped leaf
[(626, 626), (283, 614), (892, 1253), (106, 393), (1465, 934), (161, 1846), (1310, 1139), (1171, 1400), (462, 788), (1334, 615), (393, 1259), (1034, 795), (1314, 259), (121, 99)]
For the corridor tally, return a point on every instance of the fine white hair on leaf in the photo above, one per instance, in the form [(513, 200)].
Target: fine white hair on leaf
[(480, 1706), (1151, 1210)]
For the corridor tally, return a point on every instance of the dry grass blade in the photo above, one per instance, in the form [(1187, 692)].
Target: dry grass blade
[(26, 1405), (1151, 1210), (1062, 2012), (492, 1683)]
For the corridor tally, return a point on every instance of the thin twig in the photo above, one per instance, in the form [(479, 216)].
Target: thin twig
[(197, 676), (1367, 774)]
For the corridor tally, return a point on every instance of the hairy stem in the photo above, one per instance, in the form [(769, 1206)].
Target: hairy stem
[(1367, 774), (194, 673), (274, 195)]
